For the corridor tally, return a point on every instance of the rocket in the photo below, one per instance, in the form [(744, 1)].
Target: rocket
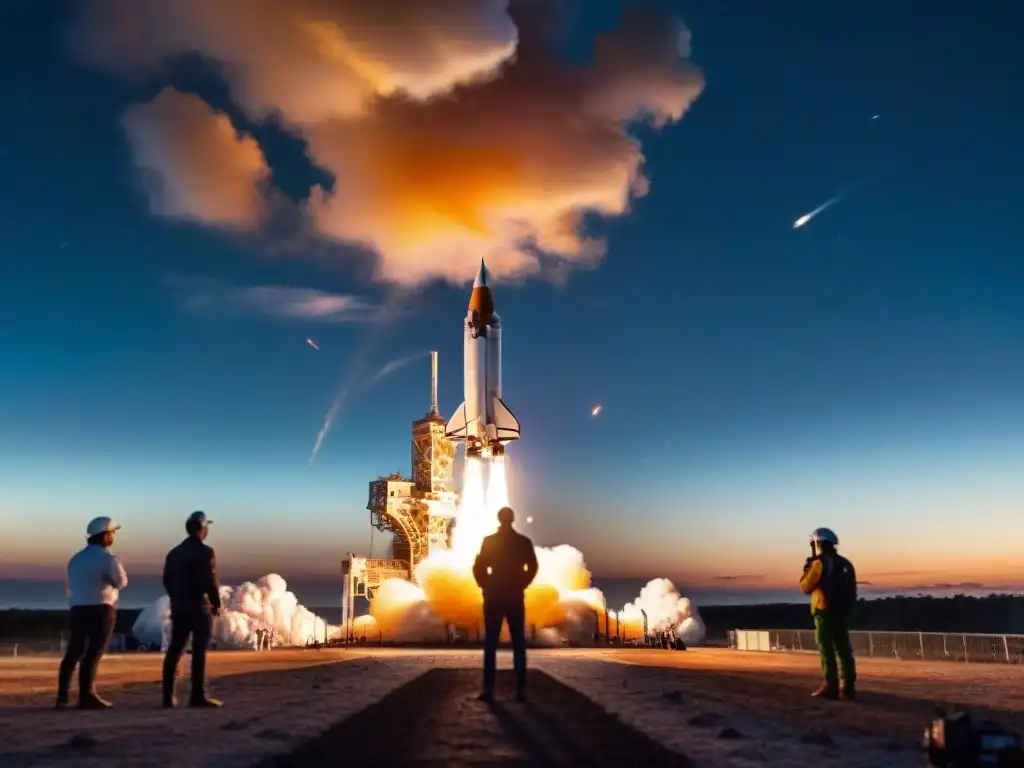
[(483, 421)]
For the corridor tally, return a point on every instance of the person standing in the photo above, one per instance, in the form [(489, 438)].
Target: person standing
[(504, 568), (831, 581), (95, 577), (190, 578)]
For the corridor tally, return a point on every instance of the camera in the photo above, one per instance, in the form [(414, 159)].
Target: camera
[(959, 741)]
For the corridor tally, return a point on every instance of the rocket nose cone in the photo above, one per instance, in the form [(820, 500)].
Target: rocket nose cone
[(481, 276)]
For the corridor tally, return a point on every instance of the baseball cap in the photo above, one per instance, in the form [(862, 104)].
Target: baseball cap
[(100, 525), (198, 520)]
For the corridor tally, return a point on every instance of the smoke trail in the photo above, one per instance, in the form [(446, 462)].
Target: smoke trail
[(391, 367), (356, 370), (350, 391)]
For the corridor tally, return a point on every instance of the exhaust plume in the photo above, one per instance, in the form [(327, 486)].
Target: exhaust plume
[(454, 129)]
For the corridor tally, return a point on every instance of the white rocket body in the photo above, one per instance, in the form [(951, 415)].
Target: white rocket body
[(483, 421)]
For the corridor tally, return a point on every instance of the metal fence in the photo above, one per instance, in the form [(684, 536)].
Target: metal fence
[(14, 648), (929, 646)]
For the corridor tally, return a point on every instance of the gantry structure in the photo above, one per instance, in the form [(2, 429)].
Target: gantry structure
[(418, 511)]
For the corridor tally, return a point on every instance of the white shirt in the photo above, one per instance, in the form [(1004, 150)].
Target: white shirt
[(95, 577)]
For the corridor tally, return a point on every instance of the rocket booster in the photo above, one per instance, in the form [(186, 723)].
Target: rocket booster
[(483, 421)]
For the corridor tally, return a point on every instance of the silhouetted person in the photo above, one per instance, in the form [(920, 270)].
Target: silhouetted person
[(831, 581), (190, 578), (94, 579), (505, 567)]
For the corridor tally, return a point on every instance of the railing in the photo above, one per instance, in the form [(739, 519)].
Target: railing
[(15, 648), (929, 646)]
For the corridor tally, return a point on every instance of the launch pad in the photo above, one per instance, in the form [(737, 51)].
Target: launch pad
[(417, 511)]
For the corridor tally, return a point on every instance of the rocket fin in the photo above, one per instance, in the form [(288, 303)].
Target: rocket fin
[(506, 425), (456, 429)]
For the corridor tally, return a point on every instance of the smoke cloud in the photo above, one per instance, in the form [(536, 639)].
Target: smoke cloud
[(194, 165), (453, 128), (263, 604), (306, 304)]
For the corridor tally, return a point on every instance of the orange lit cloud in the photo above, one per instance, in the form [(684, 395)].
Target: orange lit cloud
[(194, 164), (452, 129)]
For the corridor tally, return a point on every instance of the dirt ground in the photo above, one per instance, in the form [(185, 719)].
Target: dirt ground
[(23, 680), (456, 729), (890, 691), (896, 698)]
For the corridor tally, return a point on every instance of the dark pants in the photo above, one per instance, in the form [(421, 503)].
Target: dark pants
[(91, 628), (197, 622), (496, 612), (833, 637)]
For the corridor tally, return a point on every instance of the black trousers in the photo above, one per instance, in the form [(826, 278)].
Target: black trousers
[(496, 612), (91, 628), (196, 622)]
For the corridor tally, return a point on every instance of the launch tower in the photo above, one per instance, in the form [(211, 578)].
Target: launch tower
[(418, 512)]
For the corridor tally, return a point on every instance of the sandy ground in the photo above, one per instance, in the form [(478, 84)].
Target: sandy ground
[(684, 699)]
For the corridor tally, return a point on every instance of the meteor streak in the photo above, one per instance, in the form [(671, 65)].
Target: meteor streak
[(823, 207), (312, 344), (832, 201)]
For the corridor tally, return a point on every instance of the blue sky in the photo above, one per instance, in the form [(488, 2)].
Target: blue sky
[(862, 372)]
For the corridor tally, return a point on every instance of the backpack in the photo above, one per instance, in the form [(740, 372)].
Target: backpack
[(839, 582)]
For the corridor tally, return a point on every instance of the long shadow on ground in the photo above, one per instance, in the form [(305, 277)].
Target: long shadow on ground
[(897, 718), (435, 720)]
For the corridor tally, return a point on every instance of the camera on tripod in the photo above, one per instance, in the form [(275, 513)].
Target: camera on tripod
[(958, 741)]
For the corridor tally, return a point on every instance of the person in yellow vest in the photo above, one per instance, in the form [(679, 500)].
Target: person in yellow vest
[(831, 581)]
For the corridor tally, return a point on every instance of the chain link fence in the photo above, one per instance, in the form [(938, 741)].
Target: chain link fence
[(928, 646)]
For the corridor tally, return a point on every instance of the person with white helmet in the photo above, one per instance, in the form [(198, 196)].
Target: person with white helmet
[(831, 581), (95, 578)]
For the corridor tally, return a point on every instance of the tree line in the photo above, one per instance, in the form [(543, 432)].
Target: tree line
[(996, 614)]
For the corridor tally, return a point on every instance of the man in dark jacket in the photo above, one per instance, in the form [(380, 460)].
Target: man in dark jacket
[(505, 567), (190, 578)]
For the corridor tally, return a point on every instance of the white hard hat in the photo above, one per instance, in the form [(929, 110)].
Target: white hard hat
[(825, 534), (101, 525)]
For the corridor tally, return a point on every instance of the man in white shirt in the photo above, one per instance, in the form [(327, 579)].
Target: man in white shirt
[(94, 579)]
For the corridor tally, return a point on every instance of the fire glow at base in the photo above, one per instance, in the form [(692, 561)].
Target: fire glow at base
[(560, 604)]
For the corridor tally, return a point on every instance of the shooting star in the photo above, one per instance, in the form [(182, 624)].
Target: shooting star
[(596, 410), (312, 344), (823, 207)]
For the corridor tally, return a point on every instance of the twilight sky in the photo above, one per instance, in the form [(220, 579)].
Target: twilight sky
[(161, 274)]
